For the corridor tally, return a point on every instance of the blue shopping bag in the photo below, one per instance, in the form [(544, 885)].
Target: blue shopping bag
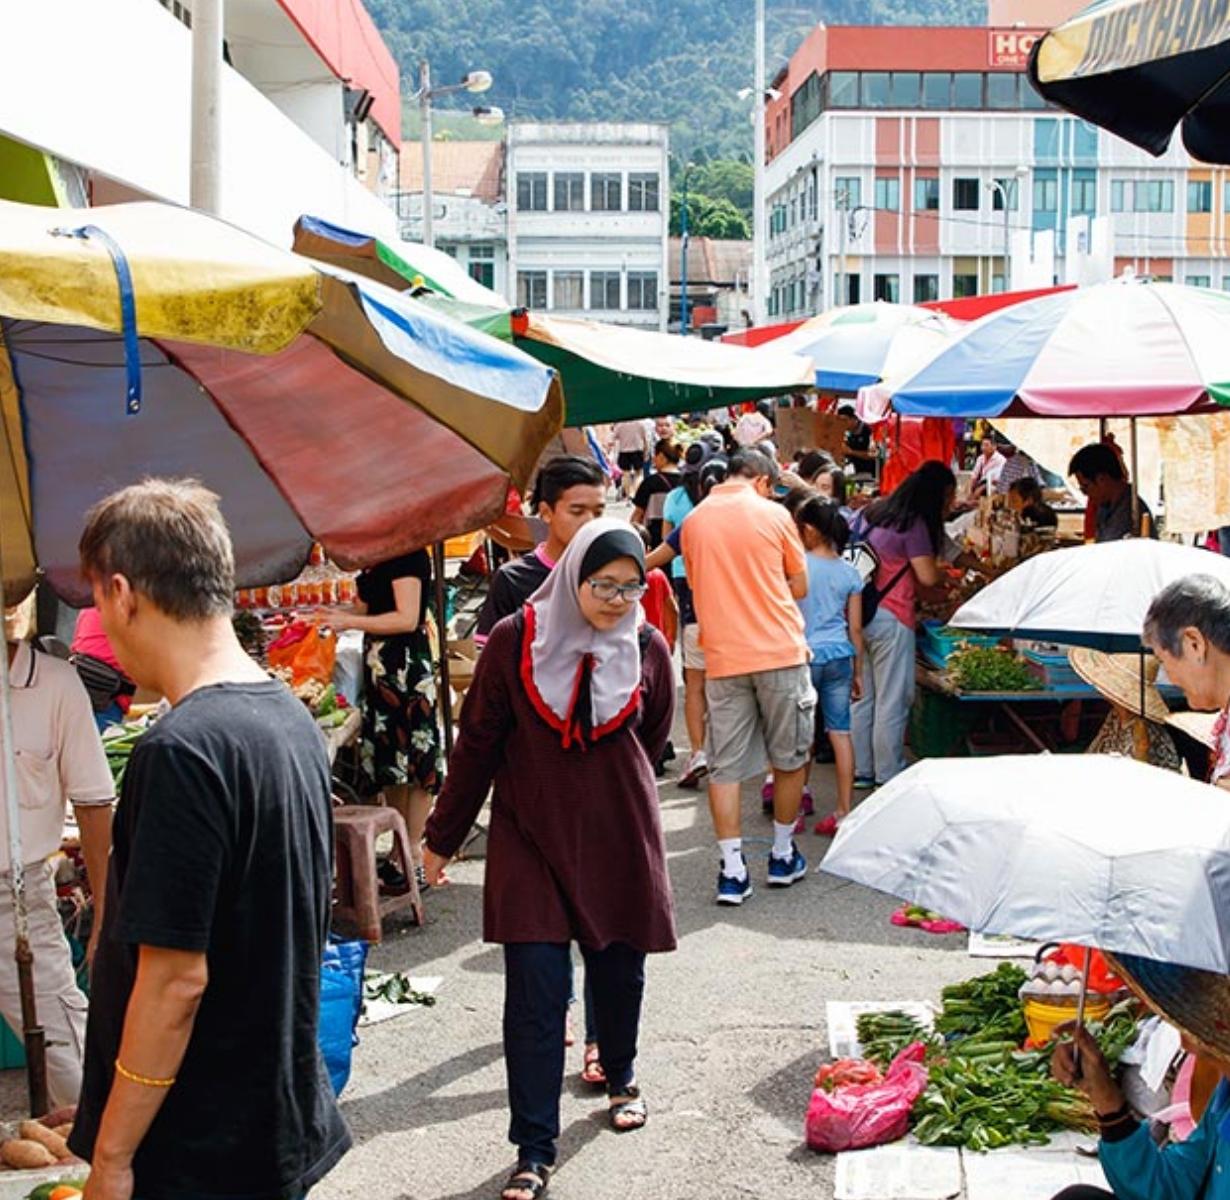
[(341, 1001)]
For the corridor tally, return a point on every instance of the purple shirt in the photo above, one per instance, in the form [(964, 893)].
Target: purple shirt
[(896, 547)]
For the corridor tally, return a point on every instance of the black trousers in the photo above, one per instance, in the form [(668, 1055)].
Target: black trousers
[(537, 984)]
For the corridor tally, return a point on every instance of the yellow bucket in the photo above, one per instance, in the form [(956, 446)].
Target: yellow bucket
[(1043, 1018)]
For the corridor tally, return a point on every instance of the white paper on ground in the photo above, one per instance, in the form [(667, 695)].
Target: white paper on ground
[(994, 945), (1027, 1173), (841, 1017), (903, 1170), (376, 1011)]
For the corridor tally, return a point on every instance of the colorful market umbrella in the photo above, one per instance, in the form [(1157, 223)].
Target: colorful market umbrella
[(864, 343), (1140, 67), (1093, 596), (1121, 349), (1093, 849), (320, 405), (609, 372)]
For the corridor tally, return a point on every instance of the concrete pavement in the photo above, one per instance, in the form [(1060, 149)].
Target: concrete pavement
[(733, 1031)]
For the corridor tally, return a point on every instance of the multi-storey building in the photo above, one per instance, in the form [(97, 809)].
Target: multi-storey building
[(468, 201), (916, 164), (310, 108), (588, 218)]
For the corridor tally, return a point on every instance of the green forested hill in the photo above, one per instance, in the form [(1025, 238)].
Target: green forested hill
[(681, 61)]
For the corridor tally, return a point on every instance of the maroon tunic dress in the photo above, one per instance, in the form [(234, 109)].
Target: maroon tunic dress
[(575, 849)]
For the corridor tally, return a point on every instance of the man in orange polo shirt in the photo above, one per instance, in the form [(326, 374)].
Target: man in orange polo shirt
[(747, 568)]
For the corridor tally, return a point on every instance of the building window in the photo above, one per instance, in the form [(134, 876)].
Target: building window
[(926, 288), (643, 193), (1084, 195), (1154, 195), (604, 290), (937, 89), (854, 288), (1225, 283), (532, 289), (643, 291), (887, 287), (569, 191), (568, 290), (849, 192), (967, 89), (1200, 195), (1121, 195), (907, 89), (964, 285), (843, 89), (1002, 89), (965, 195), (805, 105), (876, 93), (1201, 281), (532, 191), (482, 265), (1030, 99), (1007, 187), (1046, 195), (888, 194), (606, 193), (1225, 199), (926, 195)]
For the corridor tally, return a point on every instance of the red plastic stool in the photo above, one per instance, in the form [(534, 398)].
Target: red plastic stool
[(360, 908)]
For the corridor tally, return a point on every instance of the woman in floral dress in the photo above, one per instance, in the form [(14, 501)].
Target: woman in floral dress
[(400, 750)]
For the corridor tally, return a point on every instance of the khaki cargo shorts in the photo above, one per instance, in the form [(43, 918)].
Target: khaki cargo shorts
[(766, 718)]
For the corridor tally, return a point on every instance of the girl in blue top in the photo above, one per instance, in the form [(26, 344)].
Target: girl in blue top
[(833, 615)]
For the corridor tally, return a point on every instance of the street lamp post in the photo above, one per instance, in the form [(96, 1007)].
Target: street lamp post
[(759, 231), (1005, 189), (683, 256), (474, 81)]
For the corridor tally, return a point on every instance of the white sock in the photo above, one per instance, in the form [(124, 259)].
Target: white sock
[(783, 840), (732, 857)]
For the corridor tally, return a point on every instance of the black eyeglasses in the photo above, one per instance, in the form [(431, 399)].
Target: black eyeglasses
[(608, 589)]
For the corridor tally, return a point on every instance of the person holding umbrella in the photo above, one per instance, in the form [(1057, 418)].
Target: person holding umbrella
[(1188, 628), (1196, 1003)]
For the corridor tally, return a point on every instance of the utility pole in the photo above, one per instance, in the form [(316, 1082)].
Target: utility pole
[(204, 180), (683, 256), (429, 229), (843, 202), (759, 269)]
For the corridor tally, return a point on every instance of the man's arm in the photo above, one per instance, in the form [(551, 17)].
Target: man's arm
[(94, 822), (157, 1026)]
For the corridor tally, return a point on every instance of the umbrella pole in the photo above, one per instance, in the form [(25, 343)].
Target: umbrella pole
[(446, 688), (1136, 531), (1080, 1003), (32, 1032)]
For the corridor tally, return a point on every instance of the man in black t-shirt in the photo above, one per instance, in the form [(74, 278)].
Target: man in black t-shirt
[(570, 492), (202, 1072)]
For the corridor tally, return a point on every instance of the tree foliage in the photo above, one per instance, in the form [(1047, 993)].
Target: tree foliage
[(682, 62)]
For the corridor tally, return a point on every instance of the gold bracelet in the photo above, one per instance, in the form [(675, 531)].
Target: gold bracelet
[(132, 1077)]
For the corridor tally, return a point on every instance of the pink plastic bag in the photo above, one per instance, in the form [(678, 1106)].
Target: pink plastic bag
[(862, 1114)]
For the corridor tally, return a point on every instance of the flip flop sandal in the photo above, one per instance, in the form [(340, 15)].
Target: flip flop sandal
[(529, 1177), (941, 925), (592, 1072), (633, 1106)]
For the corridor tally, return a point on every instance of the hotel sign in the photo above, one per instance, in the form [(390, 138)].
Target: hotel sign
[(1011, 47)]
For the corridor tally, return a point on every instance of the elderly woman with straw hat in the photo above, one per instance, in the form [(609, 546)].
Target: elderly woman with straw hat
[(1188, 629), (1197, 1003)]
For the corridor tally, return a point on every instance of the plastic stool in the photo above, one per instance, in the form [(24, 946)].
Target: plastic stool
[(360, 907)]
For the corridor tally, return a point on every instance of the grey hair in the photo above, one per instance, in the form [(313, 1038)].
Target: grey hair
[(1196, 602), (168, 537), (753, 463)]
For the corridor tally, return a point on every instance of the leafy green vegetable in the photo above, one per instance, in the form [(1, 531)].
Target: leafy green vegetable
[(883, 1035), (990, 669)]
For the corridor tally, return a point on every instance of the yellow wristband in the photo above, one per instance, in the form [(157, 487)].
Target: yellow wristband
[(132, 1077)]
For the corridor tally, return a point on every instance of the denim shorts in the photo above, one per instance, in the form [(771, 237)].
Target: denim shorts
[(832, 681)]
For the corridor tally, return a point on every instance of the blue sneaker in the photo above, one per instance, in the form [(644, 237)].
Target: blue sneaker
[(734, 891), (784, 871)]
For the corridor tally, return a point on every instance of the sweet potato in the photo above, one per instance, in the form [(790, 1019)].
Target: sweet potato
[(64, 1130), (34, 1131), (25, 1154)]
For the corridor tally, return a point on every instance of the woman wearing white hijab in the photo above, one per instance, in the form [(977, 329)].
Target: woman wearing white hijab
[(570, 706)]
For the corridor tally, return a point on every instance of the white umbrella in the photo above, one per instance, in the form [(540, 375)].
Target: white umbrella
[(1088, 595), (1092, 849)]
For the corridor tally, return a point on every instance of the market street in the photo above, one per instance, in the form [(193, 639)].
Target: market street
[(732, 1035)]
